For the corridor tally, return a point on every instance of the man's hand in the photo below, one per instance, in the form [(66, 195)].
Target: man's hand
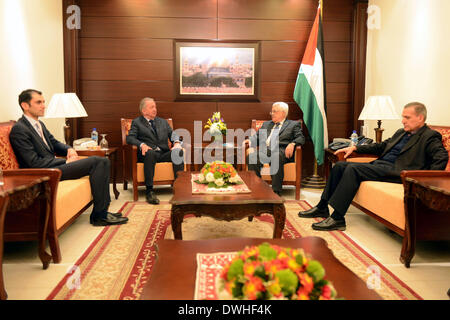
[(72, 155), (348, 151), (289, 150), (176, 145), (144, 149)]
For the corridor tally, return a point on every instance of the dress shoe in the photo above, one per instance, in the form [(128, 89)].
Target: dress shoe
[(329, 224), (109, 220), (315, 212), (117, 215), (151, 198)]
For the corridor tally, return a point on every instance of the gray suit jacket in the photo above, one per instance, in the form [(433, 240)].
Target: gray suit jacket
[(31, 151), (290, 132), (142, 132)]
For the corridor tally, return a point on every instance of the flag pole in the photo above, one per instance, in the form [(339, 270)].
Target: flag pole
[(315, 181)]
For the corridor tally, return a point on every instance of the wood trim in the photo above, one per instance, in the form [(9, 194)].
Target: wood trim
[(71, 62), (359, 61)]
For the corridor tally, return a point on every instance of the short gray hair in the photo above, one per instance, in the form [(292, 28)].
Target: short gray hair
[(283, 106), (419, 108), (143, 102)]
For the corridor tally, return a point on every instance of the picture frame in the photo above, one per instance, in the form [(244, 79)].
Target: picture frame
[(216, 70)]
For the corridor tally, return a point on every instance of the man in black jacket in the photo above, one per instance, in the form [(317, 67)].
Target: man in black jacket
[(35, 147), (275, 143), (151, 135), (415, 147)]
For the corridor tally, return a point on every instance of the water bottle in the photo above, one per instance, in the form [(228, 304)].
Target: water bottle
[(94, 135), (354, 138)]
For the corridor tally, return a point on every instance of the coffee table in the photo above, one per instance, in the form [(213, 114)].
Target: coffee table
[(173, 276), (226, 207)]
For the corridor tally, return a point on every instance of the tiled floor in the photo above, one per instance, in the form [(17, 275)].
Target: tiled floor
[(429, 274)]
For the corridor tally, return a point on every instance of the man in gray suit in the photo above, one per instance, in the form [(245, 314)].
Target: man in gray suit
[(276, 140), (151, 134)]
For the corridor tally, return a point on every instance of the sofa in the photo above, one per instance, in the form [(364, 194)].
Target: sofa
[(387, 203), (65, 207)]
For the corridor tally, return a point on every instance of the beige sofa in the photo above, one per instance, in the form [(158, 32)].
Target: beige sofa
[(68, 200), (386, 202)]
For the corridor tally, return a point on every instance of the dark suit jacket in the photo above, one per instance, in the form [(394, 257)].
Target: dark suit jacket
[(290, 132), (30, 149), (141, 132), (424, 151)]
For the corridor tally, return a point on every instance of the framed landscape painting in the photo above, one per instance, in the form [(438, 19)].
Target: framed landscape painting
[(216, 71)]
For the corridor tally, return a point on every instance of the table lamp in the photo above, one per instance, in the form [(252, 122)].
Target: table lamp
[(65, 105), (379, 108)]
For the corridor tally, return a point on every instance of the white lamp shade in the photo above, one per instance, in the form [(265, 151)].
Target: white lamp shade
[(379, 108), (65, 105)]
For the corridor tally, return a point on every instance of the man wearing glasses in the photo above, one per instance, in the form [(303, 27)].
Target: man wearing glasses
[(275, 143)]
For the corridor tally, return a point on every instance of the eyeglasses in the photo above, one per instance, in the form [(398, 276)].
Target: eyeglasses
[(273, 112)]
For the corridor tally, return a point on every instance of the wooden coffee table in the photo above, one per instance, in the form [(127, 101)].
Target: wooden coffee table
[(173, 276), (226, 207)]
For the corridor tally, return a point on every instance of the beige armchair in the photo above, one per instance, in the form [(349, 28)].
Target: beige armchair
[(133, 171), (292, 171)]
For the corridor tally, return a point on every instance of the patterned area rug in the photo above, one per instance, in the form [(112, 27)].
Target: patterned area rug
[(118, 263)]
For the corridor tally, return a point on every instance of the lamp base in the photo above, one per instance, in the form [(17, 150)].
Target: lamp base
[(378, 134), (68, 133)]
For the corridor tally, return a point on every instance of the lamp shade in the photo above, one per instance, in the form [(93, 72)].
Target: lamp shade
[(379, 108), (65, 105)]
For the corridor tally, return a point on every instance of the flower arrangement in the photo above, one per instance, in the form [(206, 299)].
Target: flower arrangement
[(216, 125), (272, 272), (218, 174)]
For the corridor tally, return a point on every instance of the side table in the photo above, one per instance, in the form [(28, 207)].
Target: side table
[(21, 192), (111, 154)]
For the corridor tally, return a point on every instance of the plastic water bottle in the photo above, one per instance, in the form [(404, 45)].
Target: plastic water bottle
[(354, 138), (94, 135)]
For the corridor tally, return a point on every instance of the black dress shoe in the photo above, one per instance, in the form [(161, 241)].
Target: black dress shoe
[(151, 198), (117, 215), (329, 224), (109, 220), (314, 212)]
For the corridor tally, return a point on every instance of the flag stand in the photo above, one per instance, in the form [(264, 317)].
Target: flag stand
[(315, 181)]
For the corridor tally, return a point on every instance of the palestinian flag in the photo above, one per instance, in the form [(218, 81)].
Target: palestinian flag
[(309, 92)]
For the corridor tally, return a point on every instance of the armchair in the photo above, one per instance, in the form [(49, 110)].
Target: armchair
[(292, 171), (133, 171)]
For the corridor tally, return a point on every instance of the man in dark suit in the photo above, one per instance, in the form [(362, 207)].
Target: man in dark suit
[(35, 147), (151, 135), (275, 143), (415, 147)]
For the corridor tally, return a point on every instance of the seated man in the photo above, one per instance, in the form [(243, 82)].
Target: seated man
[(415, 147), (151, 134), (276, 140), (35, 147)]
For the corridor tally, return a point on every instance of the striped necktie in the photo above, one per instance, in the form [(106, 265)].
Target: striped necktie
[(275, 127), (152, 123), (41, 133)]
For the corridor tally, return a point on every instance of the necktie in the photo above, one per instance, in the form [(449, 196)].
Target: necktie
[(275, 127), (152, 123), (41, 134)]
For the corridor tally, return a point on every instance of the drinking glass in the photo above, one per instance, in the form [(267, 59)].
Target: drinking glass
[(104, 142)]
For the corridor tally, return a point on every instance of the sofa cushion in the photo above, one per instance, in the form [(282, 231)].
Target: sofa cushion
[(7, 157), (163, 172), (71, 197), (384, 199)]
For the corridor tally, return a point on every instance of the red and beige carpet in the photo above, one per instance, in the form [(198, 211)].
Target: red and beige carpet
[(119, 262)]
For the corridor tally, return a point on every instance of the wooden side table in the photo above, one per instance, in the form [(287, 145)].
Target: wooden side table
[(19, 193), (111, 154)]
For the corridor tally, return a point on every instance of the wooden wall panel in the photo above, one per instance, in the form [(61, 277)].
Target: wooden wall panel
[(126, 53), (146, 8), (143, 27), (126, 70), (129, 49)]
